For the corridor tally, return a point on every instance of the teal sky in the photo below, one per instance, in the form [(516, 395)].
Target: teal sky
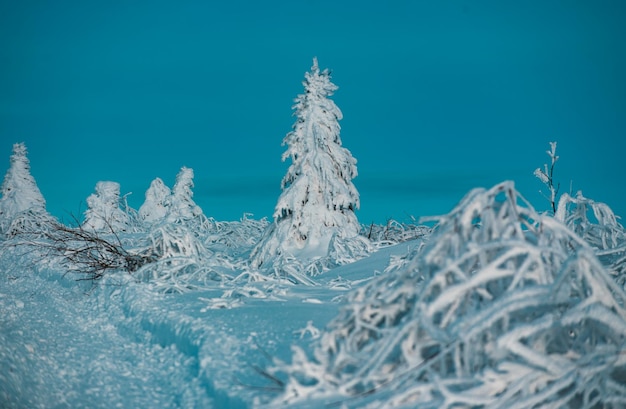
[(438, 97)]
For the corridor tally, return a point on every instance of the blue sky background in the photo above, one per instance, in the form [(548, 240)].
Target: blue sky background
[(438, 96)]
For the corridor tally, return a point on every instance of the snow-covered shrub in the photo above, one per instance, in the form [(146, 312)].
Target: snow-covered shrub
[(394, 232), (103, 212), (596, 223), (501, 307), (172, 241), (318, 199), (181, 261), (234, 240), (88, 254), (22, 206), (163, 205), (156, 204)]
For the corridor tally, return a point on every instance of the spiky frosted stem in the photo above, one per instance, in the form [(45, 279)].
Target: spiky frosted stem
[(546, 176)]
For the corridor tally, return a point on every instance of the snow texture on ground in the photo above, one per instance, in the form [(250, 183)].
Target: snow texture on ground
[(69, 344)]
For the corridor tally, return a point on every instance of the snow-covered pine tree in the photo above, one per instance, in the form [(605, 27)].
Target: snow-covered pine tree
[(318, 199), (20, 194), (104, 213), (156, 205), (181, 204)]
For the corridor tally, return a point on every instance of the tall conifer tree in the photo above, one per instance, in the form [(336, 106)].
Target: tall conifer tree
[(318, 198)]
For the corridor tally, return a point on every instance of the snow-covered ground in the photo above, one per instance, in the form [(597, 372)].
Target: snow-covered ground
[(121, 343)]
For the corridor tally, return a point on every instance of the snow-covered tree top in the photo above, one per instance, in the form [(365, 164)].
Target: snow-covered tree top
[(108, 192), (318, 83), (19, 189), (156, 205), (184, 182), (181, 204)]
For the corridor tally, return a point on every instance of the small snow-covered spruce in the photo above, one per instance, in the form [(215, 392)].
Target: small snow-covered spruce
[(22, 206), (181, 206), (103, 212), (546, 176), (501, 307), (317, 205), (156, 204)]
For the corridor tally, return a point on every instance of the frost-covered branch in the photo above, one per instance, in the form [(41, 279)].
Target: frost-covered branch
[(87, 253), (546, 176)]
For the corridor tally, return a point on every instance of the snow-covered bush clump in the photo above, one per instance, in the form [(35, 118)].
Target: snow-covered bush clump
[(394, 232), (163, 205), (596, 223), (156, 204), (316, 208), (502, 307), (22, 206), (181, 262), (103, 212), (175, 230), (245, 232)]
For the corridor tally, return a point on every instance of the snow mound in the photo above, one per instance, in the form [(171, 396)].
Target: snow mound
[(500, 307)]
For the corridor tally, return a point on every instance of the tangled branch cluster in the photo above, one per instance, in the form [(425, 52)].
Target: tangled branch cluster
[(87, 253)]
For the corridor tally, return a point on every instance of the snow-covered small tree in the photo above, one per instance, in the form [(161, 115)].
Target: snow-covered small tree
[(104, 213), (20, 194), (156, 205), (181, 205), (318, 199)]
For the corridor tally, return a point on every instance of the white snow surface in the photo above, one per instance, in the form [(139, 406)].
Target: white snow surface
[(123, 343)]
